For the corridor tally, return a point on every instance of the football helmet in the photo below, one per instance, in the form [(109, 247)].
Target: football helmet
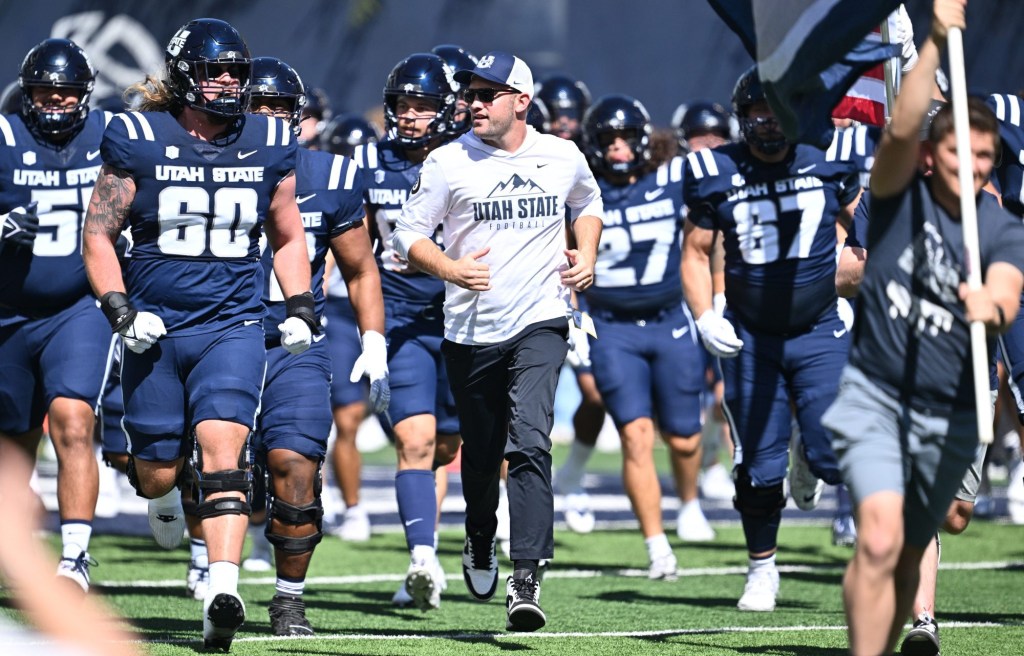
[(763, 133), (272, 78), (10, 99), (458, 59), (617, 116), (537, 116), (194, 48), (699, 118), (346, 131), (56, 63), (422, 75), (566, 100)]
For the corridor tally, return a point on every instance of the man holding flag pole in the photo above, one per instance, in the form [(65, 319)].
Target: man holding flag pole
[(943, 266)]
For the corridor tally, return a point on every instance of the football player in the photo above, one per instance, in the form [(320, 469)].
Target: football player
[(198, 181), (295, 416), (781, 341), (420, 115), (648, 361), (566, 100), (55, 347)]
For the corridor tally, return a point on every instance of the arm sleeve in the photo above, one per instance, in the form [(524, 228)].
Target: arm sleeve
[(584, 198), (424, 210)]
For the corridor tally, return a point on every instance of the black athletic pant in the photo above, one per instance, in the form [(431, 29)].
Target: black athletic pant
[(505, 396)]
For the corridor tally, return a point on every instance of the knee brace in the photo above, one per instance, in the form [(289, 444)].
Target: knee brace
[(292, 515), (757, 501), (229, 480)]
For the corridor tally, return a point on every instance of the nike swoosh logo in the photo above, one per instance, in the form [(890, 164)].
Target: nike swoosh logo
[(805, 169), (540, 166), (244, 155), (92, 154), (808, 498), (413, 521), (318, 338), (838, 333), (651, 195), (250, 322), (302, 199), (166, 519), (679, 332)]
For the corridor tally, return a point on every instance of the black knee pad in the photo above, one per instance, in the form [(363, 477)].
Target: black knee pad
[(757, 501), (286, 513), (228, 480)]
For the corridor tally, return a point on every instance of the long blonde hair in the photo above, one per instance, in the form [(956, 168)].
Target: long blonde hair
[(151, 95)]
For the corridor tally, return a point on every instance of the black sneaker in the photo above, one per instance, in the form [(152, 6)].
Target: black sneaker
[(923, 638), (288, 616), (480, 566), (522, 600)]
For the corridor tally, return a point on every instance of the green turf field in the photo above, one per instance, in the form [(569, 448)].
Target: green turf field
[(596, 596)]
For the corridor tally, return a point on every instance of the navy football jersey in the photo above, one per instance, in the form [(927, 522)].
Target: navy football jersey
[(1009, 177), (52, 276), (778, 223), (388, 177), (198, 215), (329, 193), (638, 259), (857, 144)]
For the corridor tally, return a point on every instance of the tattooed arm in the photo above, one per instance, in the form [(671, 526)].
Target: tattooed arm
[(108, 210)]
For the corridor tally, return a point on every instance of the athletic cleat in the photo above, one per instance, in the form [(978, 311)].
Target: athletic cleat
[(1015, 493), (197, 582), (716, 483), (223, 614), (480, 566), (522, 603), (401, 598), (167, 519), (844, 531), (76, 569), (760, 591), (923, 638), (288, 616), (440, 578), (579, 517), (664, 568), (420, 586), (355, 526), (692, 525), (261, 558), (804, 486)]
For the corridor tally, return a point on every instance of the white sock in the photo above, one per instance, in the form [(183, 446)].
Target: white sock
[(762, 563), (290, 587), (657, 546), (422, 553), (224, 576), (75, 537), (197, 551), (435, 540), (570, 475)]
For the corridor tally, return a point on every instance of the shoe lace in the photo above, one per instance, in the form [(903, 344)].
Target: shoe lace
[(525, 588), (481, 551), (81, 563), (290, 610)]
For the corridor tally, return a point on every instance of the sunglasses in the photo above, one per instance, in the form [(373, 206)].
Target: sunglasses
[(486, 95)]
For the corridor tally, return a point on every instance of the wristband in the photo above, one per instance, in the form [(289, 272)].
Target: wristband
[(118, 310), (303, 307)]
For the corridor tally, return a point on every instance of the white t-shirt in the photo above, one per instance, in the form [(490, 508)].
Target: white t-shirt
[(515, 203)]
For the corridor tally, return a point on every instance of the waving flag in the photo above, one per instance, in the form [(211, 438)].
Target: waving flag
[(809, 53)]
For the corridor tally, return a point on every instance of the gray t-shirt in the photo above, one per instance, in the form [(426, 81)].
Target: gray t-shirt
[(911, 335)]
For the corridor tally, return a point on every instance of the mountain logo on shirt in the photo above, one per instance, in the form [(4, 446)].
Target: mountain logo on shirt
[(515, 186)]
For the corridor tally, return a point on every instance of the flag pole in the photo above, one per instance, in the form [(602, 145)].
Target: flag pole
[(891, 68), (969, 224)]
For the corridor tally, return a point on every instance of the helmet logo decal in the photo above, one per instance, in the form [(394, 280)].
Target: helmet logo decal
[(54, 77), (177, 42), (486, 62), (408, 88)]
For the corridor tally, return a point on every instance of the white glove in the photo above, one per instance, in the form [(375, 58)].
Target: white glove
[(718, 335), (295, 335), (143, 331), (373, 363), (845, 311), (718, 303), (579, 347), (903, 33)]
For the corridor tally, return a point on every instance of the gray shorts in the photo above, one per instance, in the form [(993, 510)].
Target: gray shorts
[(972, 479), (885, 447)]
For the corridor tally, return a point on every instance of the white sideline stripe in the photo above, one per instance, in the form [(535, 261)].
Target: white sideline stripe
[(349, 637), (560, 574)]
